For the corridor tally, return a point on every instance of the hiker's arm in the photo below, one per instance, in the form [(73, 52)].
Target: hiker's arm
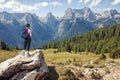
[(30, 33)]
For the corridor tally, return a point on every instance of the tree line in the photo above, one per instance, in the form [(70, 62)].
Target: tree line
[(4, 46), (102, 40)]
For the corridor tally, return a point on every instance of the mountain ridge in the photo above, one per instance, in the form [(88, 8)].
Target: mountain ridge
[(48, 28)]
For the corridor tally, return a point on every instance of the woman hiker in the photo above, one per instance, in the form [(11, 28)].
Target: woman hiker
[(27, 35)]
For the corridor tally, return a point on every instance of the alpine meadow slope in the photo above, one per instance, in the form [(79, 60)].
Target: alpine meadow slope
[(103, 40)]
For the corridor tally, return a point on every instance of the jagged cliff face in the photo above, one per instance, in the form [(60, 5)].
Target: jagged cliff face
[(24, 67), (51, 23)]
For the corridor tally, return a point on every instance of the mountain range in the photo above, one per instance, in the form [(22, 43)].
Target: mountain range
[(49, 28)]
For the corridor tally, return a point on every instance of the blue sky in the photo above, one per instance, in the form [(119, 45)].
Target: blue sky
[(57, 7)]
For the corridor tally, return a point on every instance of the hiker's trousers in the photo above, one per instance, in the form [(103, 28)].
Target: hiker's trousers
[(27, 43)]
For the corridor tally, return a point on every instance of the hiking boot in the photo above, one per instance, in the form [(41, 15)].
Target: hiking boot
[(27, 54), (22, 53)]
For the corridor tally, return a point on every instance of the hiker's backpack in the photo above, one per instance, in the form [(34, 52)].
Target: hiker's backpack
[(25, 34)]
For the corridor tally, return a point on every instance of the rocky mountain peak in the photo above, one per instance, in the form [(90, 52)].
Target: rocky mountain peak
[(51, 22), (69, 10), (89, 14), (114, 11), (5, 15), (69, 14), (86, 9), (49, 15), (109, 13), (86, 13)]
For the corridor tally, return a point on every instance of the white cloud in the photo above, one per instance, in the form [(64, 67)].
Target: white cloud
[(24, 8), (85, 1), (69, 1), (16, 6), (95, 3), (108, 9), (10, 4), (44, 4), (39, 5), (2, 1), (115, 2), (99, 10), (56, 4)]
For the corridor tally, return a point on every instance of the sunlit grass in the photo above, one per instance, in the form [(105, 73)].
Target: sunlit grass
[(4, 55), (81, 57), (60, 57)]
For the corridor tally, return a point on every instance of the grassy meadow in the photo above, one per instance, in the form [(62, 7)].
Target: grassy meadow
[(57, 62), (63, 57), (4, 55), (60, 57)]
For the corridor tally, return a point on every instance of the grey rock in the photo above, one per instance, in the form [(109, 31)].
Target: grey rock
[(32, 67)]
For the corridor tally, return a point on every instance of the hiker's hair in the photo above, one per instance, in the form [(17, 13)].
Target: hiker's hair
[(27, 25)]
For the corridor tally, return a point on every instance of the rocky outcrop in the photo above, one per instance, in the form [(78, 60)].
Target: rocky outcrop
[(25, 66), (110, 71)]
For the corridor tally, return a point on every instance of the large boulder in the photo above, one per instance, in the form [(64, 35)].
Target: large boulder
[(25, 66)]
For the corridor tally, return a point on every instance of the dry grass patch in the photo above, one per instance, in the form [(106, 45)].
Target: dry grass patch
[(4, 55), (80, 57)]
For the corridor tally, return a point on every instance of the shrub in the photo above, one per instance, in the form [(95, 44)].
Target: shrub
[(74, 59), (102, 57), (4, 46), (55, 51), (68, 61), (67, 74), (95, 76), (70, 75), (79, 74), (115, 53)]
